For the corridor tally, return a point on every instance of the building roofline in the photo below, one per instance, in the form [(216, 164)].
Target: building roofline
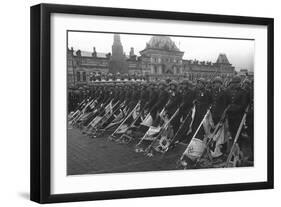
[(150, 48)]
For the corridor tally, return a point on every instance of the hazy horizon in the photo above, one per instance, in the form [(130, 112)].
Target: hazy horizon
[(240, 53)]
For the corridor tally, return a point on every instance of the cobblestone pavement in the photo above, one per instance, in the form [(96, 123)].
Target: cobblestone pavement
[(89, 156)]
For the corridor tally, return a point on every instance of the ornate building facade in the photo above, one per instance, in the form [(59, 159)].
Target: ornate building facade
[(196, 69), (81, 65), (160, 59)]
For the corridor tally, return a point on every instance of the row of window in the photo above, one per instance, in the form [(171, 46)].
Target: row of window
[(159, 60), (161, 70), (95, 63), (81, 76)]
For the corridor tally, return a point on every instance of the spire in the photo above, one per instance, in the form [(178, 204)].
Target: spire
[(132, 53), (222, 59), (94, 54), (118, 58), (117, 48), (116, 39)]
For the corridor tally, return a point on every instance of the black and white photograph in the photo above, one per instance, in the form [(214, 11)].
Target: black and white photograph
[(129, 103), (158, 102), (140, 103)]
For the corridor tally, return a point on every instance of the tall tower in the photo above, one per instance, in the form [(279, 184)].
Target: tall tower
[(118, 59), (117, 48)]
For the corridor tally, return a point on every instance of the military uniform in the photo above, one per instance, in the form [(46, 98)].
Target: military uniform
[(250, 118), (132, 97), (122, 95), (153, 97), (238, 103), (220, 101), (202, 100), (182, 122), (144, 97), (174, 103), (175, 99), (161, 102)]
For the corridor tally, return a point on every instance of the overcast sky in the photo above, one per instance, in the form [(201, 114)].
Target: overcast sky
[(240, 53)]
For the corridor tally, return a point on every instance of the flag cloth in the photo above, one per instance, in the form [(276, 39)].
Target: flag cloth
[(165, 140), (208, 124), (108, 108), (117, 120), (220, 138), (95, 121), (70, 114), (193, 111), (195, 149), (152, 133), (129, 119), (136, 111), (122, 129), (85, 116), (93, 105), (147, 121)]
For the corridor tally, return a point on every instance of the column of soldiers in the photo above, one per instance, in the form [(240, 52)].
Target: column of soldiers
[(181, 96)]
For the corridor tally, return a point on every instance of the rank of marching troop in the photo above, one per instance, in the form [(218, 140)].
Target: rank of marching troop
[(211, 120)]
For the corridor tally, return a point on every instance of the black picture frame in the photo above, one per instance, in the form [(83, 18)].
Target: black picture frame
[(41, 98)]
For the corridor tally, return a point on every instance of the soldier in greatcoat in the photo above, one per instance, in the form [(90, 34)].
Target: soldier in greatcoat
[(220, 100), (238, 103), (163, 98), (175, 101), (202, 101), (184, 118)]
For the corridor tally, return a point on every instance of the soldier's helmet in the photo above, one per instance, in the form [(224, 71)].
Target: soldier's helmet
[(235, 79), (185, 82), (151, 85), (218, 79), (202, 80), (162, 83), (168, 80), (135, 84), (173, 83), (144, 84)]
